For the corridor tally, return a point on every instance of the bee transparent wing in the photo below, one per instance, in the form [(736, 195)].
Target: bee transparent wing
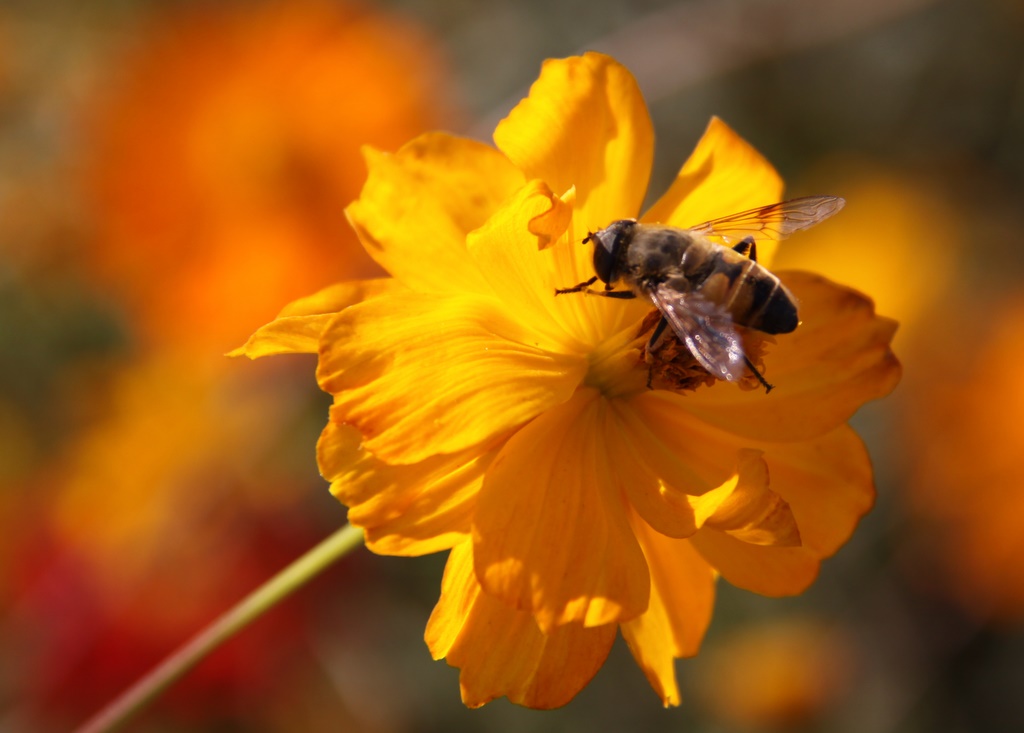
[(774, 221), (705, 327)]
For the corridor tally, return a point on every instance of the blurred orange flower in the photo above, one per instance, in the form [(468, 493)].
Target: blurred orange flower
[(778, 674), (898, 241), (222, 158), (475, 411), (966, 437), (218, 158)]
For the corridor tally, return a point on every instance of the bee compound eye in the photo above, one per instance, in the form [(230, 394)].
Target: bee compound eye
[(604, 258), (609, 245)]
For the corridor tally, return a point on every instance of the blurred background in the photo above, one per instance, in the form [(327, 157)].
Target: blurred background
[(172, 173)]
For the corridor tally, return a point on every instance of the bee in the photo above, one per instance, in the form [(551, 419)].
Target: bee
[(704, 289)]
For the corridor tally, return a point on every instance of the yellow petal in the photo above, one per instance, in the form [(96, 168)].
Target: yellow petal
[(837, 359), (770, 571), (711, 453), (501, 652), (675, 447), (682, 599), (674, 443), (459, 593), (289, 335), (550, 530), (826, 482), (406, 510), (506, 252), (418, 205), (421, 375), (745, 508), (338, 297), (584, 124), (656, 496), (557, 219), (298, 326), (724, 175), (677, 481), (680, 479)]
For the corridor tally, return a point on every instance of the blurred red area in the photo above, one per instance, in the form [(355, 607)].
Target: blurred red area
[(95, 645)]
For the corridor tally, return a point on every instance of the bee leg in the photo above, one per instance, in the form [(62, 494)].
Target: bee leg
[(577, 288), (760, 378), (653, 344), (747, 247), (656, 336), (582, 288)]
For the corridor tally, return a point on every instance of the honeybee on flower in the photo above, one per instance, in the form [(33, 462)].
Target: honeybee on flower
[(474, 411)]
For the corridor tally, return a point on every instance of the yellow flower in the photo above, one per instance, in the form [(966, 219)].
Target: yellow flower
[(475, 411)]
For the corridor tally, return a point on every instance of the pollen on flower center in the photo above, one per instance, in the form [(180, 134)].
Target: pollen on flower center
[(673, 367)]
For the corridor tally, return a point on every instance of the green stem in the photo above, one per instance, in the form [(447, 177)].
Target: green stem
[(275, 590)]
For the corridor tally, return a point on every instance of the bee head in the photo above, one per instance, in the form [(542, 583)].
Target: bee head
[(610, 246)]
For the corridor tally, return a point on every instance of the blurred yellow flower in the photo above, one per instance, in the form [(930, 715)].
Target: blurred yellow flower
[(224, 148), (474, 411)]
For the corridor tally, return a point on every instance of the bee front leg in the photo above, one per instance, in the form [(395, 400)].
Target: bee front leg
[(576, 288), (585, 288)]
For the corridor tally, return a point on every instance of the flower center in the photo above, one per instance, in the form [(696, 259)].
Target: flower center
[(613, 367), (623, 364), (671, 366)]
